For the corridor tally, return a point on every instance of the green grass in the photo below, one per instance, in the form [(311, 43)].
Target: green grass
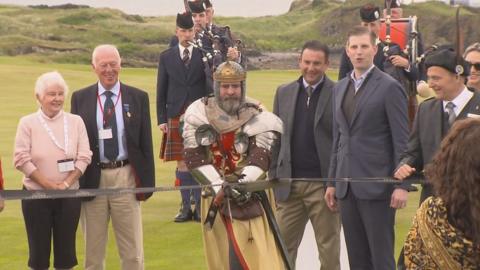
[(167, 245), (68, 35)]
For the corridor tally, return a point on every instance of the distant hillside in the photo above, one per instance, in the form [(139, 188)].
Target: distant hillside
[(68, 33)]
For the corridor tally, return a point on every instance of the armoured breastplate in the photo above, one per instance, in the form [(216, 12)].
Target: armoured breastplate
[(229, 153)]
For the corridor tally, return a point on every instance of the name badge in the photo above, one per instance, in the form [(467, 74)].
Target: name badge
[(65, 165), (104, 134)]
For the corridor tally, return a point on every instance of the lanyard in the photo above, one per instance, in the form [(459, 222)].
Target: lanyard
[(52, 136), (109, 113)]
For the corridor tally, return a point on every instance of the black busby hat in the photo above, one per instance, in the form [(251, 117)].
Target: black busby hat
[(184, 20), (208, 4), (369, 13), (448, 59), (393, 3), (197, 6)]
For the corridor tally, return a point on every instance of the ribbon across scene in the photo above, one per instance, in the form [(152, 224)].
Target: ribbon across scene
[(248, 187)]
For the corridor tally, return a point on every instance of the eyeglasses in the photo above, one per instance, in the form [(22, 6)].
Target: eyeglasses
[(474, 65)]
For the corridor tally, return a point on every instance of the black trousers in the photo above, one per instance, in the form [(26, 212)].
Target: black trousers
[(47, 219)]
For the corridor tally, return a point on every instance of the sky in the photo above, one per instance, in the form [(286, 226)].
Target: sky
[(246, 8)]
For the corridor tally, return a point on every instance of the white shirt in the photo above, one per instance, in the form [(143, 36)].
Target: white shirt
[(122, 140), (189, 48), (305, 84), (460, 101)]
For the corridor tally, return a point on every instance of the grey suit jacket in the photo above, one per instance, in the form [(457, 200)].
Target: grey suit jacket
[(426, 134), (284, 107), (371, 145)]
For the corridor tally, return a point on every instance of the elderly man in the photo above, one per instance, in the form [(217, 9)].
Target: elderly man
[(370, 132), (472, 57), (228, 138), (305, 107), (117, 117)]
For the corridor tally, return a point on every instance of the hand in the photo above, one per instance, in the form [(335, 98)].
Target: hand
[(399, 61), (233, 54), (2, 205), (404, 171), (61, 186), (399, 198), (240, 197), (163, 127), (330, 199)]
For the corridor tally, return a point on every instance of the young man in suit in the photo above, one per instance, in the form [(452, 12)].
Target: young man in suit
[(117, 118), (370, 18), (370, 132), (181, 80), (446, 72), (305, 107)]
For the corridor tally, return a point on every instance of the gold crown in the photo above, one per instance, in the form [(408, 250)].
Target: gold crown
[(229, 72)]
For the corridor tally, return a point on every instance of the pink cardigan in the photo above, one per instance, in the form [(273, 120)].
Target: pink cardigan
[(34, 148)]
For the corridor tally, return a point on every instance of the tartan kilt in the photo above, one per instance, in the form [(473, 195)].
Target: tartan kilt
[(172, 141)]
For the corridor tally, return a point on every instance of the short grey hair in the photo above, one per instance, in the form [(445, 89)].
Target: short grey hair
[(475, 47), (105, 47), (48, 79)]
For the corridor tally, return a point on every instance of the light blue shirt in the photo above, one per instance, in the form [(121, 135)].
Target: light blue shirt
[(358, 82), (122, 140)]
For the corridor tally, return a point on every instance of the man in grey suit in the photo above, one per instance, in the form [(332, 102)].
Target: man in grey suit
[(370, 132), (446, 73), (446, 76), (305, 107)]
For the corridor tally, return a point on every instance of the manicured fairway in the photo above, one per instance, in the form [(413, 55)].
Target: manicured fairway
[(167, 245)]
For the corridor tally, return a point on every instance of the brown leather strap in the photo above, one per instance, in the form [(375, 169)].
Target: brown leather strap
[(258, 156), (195, 157)]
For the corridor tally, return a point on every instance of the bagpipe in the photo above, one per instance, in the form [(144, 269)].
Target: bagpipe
[(400, 37), (214, 42)]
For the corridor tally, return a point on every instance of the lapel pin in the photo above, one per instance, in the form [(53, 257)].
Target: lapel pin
[(126, 108)]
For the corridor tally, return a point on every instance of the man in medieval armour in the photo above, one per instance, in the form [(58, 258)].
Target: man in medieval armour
[(228, 138)]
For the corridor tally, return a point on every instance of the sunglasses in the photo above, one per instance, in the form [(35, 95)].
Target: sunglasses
[(474, 65)]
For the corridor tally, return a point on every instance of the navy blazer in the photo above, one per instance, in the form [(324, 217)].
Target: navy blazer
[(138, 133), (371, 145), (177, 86)]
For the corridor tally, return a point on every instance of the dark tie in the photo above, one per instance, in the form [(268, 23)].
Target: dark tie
[(186, 57), (110, 121), (309, 91), (451, 113)]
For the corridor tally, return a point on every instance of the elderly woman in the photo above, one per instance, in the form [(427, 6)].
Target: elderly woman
[(52, 151), (446, 229), (472, 56)]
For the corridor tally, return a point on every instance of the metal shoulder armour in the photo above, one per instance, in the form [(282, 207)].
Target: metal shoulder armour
[(263, 122), (206, 135), (194, 117), (265, 127)]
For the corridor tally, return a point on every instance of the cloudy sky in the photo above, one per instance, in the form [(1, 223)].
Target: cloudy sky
[(171, 7)]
